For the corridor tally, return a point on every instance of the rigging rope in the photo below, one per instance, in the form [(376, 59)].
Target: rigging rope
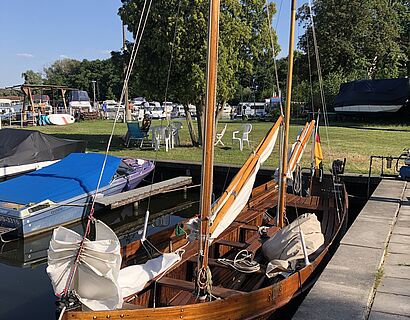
[(145, 11), (274, 55), (325, 113), (170, 129)]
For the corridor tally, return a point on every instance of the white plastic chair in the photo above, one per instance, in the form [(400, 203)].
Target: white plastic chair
[(246, 129), (161, 133), (220, 135), (176, 126)]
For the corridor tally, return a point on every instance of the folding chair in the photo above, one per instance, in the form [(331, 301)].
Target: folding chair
[(246, 129), (134, 133), (220, 135)]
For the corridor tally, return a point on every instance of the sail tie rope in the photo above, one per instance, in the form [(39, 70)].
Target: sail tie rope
[(242, 262), (204, 282)]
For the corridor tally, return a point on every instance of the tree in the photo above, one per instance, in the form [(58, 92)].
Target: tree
[(238, 25), (355, 36), (80, 74), (32, 77)]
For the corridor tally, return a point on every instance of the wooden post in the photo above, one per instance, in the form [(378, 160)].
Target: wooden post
[(30, 96), (282, 182), (63, 91)]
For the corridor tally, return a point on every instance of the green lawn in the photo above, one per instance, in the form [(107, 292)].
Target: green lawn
[(355, 142)]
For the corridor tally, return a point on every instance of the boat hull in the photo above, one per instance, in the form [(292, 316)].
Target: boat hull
[(368, 109), (236, 304), (7, 172)]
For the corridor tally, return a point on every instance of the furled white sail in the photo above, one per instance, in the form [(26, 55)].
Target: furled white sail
[(299, 147), (95, 279), (241, 193), (98, 281), (133, 279)]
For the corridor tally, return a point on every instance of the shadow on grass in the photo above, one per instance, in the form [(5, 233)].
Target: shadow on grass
[(374, 129), (98, 142), (95, 142)]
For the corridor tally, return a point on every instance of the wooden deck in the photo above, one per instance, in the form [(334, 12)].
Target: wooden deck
[(139, 194)]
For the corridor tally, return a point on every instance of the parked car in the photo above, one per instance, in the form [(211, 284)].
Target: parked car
[(178, 111), (156, 111), (139, 103), (109, 107), (192, 110), (251, 109)]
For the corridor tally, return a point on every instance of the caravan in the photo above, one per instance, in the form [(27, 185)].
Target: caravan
[(251, 109)]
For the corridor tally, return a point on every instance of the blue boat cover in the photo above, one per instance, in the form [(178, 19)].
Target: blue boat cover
[(76, 174)]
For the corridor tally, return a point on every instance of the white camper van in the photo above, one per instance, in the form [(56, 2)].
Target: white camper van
[(252, 109), (79, 100)]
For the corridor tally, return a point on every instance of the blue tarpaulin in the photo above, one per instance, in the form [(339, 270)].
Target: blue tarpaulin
[(76, 174)]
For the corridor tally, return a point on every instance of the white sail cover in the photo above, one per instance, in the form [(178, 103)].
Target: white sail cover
[(98, 282), (241, 198), (284, 248)]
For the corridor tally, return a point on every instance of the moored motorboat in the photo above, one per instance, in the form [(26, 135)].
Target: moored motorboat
[(60, 193)]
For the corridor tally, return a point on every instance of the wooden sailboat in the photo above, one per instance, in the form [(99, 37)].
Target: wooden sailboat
[(215, 278)]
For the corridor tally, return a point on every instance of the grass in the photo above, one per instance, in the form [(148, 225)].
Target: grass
[(356, 142), (378, 277)]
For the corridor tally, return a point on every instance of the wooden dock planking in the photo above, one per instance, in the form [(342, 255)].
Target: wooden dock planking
[(135, 195)]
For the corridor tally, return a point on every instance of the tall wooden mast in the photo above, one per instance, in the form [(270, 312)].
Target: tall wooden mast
[(284, 162), (209, 127)]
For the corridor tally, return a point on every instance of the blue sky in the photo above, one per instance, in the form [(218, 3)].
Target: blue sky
[(35, 33)]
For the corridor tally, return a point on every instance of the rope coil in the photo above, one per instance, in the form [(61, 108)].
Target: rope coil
[(242, 262)]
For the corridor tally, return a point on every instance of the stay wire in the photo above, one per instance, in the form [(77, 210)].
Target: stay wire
[(172, 53), (325, 113), (90, 216), (320, 78), (274, 53), (310, 76), (166, 96)]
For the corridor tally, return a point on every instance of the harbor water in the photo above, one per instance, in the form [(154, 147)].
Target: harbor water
[(25, 288)]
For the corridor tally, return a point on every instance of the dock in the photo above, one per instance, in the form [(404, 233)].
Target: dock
[(138, 194), (369, 275)]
